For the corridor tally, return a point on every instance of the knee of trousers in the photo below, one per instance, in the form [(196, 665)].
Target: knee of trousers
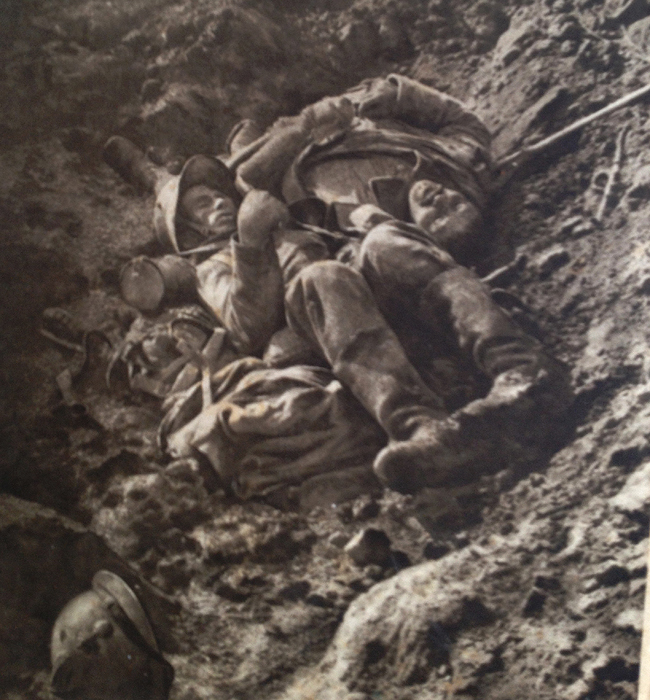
[(380, 256), (390, 260), (318, 279)]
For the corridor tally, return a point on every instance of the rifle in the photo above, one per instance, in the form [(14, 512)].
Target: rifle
[(510, 164)]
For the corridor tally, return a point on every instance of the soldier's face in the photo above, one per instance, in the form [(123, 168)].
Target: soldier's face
[(441, 211), (209, 209)]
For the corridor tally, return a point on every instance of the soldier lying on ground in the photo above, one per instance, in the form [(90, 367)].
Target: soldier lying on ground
[(338, 315), (394, 311)]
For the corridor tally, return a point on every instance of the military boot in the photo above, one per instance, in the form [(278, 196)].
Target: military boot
[(518, 421)]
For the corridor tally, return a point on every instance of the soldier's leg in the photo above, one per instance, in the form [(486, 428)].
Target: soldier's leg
[(530, 389), (330, 305), (530, 392)]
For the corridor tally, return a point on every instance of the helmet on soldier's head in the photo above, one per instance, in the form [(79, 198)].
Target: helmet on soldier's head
[(198, 170), (103, 647)]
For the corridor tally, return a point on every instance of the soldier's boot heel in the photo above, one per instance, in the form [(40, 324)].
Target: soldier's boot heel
[(439, 453)]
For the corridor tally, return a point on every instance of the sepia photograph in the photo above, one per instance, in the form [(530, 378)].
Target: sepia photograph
[(324, 333)]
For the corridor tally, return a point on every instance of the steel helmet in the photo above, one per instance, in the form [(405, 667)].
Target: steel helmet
[(198, 170), (103, 647)]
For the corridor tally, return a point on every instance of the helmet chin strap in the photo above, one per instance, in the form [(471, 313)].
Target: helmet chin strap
[(132, 633)]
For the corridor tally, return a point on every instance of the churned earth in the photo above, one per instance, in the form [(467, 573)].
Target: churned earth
[(517, 587)]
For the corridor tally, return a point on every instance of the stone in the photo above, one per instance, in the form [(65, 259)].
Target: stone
[(625, 11), (534, 603), (488, 21), (364, 508), (338, 539), (406, 620), (370, 546), (182, 120), (630, 619), (575, 691), (151, 89), (295, 591), (435, 550), (639, 191), (634, 497), (513, 42), (394, 42)]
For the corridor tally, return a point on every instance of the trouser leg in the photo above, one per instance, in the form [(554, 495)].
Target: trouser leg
[(525, 408), (410, 278), (534, 386), (331, 305)]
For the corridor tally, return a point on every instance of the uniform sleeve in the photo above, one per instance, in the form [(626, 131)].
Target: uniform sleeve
[(427, 108), (265, 169), (243, 287)]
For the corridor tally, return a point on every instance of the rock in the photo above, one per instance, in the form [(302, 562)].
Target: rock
[(295, 591), (434, 550), (575, 691), (488, 21), (364, 508), (151, 89), (639, 191), (145, 506), (183, 120), (534, 603), (630, 619), (513, 43), (566, 28), (338, 539), (625, 11), (639, 34), (370, 546), (590, 602), (634, 497), (394, 42), (404, 623)]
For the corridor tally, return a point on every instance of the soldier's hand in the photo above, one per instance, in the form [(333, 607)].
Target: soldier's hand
[(380, 100), (327, 116), (259, 215)]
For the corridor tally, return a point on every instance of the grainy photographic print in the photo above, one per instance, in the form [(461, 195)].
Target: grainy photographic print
[(325, 372)]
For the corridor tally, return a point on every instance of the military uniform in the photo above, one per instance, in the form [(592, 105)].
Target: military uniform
[(387, 311)]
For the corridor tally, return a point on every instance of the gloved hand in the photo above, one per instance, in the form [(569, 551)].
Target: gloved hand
[(259, 215), (380, 100), (327, 116)]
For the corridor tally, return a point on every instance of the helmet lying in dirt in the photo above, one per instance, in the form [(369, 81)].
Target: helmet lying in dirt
[(198, 170), (103, 647)]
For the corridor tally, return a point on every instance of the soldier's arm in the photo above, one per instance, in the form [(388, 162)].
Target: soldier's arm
[(422, 106), (243, 284), (266, 168)]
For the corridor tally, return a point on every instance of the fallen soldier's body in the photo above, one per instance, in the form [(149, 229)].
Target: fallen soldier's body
[(387, 343)]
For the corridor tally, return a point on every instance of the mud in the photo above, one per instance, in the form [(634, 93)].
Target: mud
[(517, 587)]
